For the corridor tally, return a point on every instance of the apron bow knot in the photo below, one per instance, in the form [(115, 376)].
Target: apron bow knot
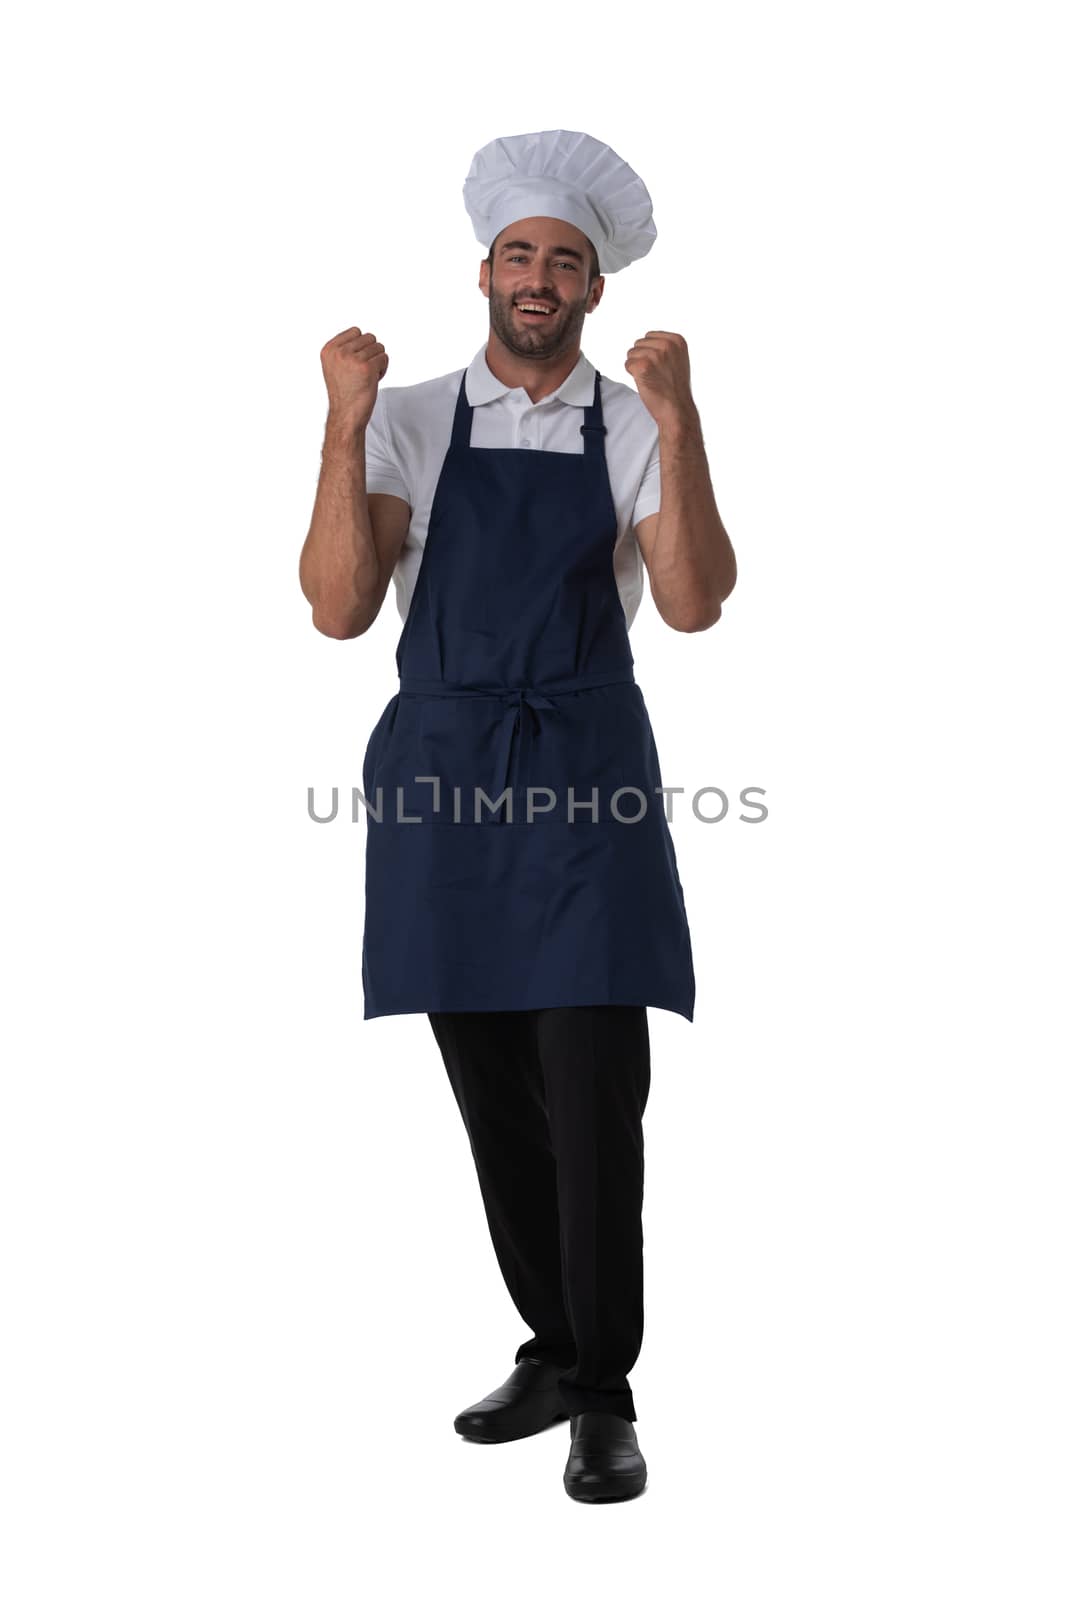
[(517, 701)]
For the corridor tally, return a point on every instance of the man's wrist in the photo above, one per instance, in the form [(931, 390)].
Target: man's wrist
[(681, 426), (344, 431)]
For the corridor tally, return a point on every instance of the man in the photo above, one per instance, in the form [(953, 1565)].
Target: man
[(503, 499)]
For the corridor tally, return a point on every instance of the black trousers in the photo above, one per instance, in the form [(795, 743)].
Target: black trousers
[(552, 1102)]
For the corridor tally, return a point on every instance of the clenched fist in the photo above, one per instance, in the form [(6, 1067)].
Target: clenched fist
[(353, 364), (659, 365)]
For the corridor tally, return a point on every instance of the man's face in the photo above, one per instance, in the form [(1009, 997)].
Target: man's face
[(545, 262)]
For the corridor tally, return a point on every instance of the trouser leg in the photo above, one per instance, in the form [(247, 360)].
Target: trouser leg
[(595, 1066), (493, 1067)]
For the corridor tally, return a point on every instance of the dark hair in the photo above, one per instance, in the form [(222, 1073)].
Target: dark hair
[(594, 270)]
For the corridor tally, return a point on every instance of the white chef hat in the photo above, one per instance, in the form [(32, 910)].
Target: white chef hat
[(567, 175)]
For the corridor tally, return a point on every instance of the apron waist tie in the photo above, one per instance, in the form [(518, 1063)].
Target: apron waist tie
[(515, 699)]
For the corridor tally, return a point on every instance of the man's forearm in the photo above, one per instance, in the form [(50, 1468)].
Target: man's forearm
[(691, 563), (339, 571)]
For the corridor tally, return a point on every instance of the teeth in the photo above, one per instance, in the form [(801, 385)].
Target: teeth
[(527, 305)]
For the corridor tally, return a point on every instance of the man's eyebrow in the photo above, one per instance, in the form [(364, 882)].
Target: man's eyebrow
[(555, 250)]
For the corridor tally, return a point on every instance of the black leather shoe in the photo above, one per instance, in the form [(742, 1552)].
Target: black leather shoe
[(527, 1402), (605, 1462)]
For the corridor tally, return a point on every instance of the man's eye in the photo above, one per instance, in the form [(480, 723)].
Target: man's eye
[(568, 264)]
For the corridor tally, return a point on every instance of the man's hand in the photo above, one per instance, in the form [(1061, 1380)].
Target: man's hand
[(353, 364), (659, 365)]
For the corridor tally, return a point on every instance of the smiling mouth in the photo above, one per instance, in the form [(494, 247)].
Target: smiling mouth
[(536, 316)]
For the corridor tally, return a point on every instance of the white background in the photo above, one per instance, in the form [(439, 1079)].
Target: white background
[(247, 1272)]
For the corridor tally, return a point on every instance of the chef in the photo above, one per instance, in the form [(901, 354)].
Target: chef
[(521, 883)]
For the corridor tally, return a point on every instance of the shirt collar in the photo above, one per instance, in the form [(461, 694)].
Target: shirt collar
[(577, 388)]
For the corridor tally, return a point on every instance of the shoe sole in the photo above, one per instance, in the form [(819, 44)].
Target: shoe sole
[(479, 1437), (597, 1494)]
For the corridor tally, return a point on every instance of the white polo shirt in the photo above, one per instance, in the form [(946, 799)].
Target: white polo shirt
[(410, 428)]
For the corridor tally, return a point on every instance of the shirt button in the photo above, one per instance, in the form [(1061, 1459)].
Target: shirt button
[(525, 444)]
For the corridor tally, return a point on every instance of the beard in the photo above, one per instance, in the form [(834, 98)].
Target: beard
[(529, 340)]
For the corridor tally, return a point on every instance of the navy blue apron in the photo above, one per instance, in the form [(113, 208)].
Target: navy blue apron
[(510, 864)]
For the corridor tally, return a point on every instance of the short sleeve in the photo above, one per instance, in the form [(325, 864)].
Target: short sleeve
[(384, 472), (647, 501)]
